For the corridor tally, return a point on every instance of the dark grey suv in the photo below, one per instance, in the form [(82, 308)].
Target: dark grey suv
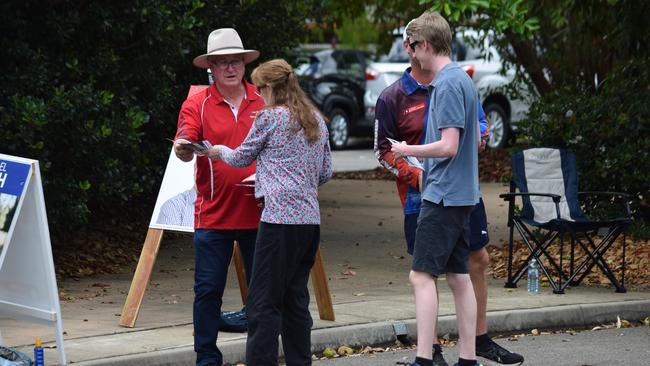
[(335, 80)]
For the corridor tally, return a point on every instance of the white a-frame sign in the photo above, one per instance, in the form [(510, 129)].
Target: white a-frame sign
[(28, 288)]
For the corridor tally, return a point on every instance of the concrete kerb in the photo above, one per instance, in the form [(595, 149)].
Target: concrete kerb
[(504, 321), (177, 356), (582, 315)]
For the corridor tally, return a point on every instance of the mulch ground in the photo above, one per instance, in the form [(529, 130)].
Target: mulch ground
[(494, 166), (97, 251), (637, 263)]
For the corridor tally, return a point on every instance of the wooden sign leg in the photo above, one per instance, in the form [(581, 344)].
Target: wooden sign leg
[(241, 272), (321, 288), (141, 278)]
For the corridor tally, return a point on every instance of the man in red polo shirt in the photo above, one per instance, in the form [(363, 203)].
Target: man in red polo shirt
[(224, 210)]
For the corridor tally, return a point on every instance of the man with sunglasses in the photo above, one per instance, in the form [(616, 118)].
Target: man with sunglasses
[(224, 210), (401, 114)]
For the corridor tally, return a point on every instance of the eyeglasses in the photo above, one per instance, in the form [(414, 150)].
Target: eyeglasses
[(223, 64), (413, 44)]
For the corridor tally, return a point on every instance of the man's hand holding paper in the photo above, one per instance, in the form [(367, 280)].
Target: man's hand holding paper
[(398, 149), (185, 149)]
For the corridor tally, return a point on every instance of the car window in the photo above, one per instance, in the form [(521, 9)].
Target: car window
[(458, 50), (466, 46), (397, 52), (348, 63), (327, 63), (474, 53), (302, 69)]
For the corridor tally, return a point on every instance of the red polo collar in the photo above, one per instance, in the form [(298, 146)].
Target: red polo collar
[(251, 93)]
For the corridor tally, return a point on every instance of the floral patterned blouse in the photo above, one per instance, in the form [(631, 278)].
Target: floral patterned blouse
[(289, 169)]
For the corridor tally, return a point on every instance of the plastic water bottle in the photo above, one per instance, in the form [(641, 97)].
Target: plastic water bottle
[(533, 276), (39, 358)]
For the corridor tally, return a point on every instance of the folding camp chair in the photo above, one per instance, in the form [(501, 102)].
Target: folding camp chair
[(547, 182)]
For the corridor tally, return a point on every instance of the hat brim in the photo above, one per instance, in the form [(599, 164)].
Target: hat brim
[(249, 56)]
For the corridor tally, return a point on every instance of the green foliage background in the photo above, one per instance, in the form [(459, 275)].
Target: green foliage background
[(609, 130), (357, 33), (91, 89)]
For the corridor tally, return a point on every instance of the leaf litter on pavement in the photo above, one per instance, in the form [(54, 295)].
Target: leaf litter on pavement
[(637, 262), (447, 341)]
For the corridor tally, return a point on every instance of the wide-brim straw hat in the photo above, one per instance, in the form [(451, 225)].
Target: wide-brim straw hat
[(225, 41)]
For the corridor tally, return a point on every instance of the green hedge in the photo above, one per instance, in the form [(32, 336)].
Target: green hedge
[(607, 127), (92, 88)]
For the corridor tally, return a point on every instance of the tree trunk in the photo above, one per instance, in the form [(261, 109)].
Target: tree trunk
[(526, 56)]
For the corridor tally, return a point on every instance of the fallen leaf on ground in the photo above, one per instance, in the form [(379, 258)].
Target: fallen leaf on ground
[(329, 352), (345, 351)]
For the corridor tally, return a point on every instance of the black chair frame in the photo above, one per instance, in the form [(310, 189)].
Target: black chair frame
[(556, 229)]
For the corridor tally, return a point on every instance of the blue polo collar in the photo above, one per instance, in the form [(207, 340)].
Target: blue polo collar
[(410, 85)]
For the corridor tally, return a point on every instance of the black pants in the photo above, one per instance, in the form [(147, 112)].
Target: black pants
[(278, 299)]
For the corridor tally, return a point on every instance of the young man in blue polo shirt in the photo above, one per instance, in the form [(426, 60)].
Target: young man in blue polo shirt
[(450, 188), (401, 114)]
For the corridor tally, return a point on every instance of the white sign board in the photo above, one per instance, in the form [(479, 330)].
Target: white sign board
[(174, 208), (27, 281), (13, 178)]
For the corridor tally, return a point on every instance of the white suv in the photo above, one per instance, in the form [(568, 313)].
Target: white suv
[(483, 65)]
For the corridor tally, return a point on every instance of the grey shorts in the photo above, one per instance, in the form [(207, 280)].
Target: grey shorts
[(442, 239)]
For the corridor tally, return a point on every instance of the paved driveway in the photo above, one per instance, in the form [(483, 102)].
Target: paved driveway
[(353, 160)]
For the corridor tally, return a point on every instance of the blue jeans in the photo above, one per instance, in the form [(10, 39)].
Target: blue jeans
[(212, 251)]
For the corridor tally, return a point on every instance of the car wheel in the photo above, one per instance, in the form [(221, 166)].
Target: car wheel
[(339, 129), (499, 126)]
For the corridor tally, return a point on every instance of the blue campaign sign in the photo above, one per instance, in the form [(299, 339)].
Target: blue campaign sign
[(13, 177)]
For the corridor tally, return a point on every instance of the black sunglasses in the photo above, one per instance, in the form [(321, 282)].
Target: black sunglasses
[(413, 44)]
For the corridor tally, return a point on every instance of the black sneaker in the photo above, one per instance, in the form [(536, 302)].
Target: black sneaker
[(438, 360), (496, 353)]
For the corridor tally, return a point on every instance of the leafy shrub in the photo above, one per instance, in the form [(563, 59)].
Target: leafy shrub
[(608, 129), (91, 89)]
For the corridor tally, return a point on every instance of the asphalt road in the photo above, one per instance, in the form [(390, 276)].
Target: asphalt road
[(626, 346)]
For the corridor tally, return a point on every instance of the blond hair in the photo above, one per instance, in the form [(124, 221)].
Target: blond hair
[(433, 28), (285, 90)]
